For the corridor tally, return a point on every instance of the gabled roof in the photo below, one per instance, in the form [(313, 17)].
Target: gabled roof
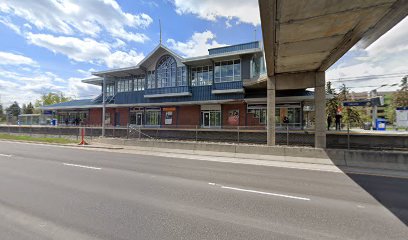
[(141, 66), (215, 54), (159, 50)]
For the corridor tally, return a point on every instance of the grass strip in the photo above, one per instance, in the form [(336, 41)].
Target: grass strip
[(36, 139)]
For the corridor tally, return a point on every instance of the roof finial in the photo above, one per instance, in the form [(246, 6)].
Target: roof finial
[(160, 32)]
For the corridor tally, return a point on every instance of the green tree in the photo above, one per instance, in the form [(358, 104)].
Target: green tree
[(354, 115), (400, 98), (2, 115), (332, 104), (51, 98), (389, 108), (23, 108), (14, 109), (29, 108)]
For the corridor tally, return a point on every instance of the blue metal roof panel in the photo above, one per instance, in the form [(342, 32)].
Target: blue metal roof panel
[(73, 103)]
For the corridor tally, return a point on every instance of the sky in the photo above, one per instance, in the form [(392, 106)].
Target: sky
[(49, 45)]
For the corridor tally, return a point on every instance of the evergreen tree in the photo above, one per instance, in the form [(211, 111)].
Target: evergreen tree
[(2, 115), (24, 108), (354, 115), (332, 104), (14, 109), (29, 108)]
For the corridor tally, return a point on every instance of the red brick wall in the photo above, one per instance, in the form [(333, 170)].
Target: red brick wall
[(95, 116), (189, 115), (124, 116), (225, 114)]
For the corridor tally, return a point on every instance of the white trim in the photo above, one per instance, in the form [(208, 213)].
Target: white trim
[(182, 94), (238, 90), (149, 104)]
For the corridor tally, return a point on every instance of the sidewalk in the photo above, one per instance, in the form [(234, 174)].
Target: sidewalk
[(302, 163)]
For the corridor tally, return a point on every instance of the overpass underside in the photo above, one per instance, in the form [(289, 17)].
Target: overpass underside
[(303, 38)]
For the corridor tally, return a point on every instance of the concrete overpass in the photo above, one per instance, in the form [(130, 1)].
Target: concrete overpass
[(303, 38)]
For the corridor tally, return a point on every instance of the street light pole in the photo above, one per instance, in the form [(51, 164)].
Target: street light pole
[(103, 105)]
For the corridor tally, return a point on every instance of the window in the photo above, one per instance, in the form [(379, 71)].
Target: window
[(125, 85), (166, 72), (227, 71), (153, 117), (151, 80), (257, 66), (139, 83), (201, 76), (181, 76), (258, 111), (110, 90)]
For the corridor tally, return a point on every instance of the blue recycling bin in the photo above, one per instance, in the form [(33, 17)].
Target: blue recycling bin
[(54, 122), (381, 124)]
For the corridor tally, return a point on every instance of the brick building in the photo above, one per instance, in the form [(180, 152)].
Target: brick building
[(218, 90)]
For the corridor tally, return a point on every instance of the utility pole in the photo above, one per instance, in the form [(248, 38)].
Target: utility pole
[(103, 105)]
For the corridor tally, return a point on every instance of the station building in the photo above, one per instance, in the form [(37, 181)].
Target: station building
[(223, 89)]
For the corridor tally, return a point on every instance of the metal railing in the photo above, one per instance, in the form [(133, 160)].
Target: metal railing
[(231, 134)]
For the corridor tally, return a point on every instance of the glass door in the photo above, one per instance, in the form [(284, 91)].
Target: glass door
[(206, 119), (211, 119), (139, 119)]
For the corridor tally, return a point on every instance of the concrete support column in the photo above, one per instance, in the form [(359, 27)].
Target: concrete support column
[(271, 101), (320, 110), (103, 105)]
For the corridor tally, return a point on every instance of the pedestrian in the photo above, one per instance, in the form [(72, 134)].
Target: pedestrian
[(329, 121), (338, 121)]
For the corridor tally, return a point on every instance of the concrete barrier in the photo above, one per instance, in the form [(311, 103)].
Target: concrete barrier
[(390, 160)]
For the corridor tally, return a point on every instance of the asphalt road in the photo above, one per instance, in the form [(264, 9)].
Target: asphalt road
[(50, 192)]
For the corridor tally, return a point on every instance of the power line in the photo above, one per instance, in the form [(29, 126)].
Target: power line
[(369, 77)]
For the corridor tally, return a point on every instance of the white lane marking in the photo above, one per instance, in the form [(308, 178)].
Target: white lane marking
[(260, 192), (5, 155), (81, 166)]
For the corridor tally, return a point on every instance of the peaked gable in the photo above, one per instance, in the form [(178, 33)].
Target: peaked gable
[(149, 62)]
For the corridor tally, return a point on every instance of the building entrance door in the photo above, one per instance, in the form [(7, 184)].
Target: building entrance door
[(139, 119), (206, 119), (211, 119)]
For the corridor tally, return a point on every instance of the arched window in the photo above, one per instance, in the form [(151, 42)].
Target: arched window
[(166, 71)]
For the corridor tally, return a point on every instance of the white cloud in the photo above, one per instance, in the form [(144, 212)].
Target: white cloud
[(86, 17), (25, 87), (197, 45), (9, 24), (7, 58), (86, 50), (86, 73), (246, 11), (122, 59), (77, 89)]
